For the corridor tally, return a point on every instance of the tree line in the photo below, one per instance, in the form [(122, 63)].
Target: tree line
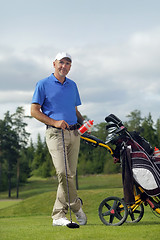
[(20, 158)]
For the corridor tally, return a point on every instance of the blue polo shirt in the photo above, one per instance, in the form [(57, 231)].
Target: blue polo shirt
[(58, 101)]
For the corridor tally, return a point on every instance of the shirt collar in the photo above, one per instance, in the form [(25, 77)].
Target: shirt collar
[(57, 81)]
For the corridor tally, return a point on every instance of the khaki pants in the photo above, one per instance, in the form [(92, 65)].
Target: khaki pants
[(55, 146)]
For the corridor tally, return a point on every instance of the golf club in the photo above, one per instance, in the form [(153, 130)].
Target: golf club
[(71, 224)]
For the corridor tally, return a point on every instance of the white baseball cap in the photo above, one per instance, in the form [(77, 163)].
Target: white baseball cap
[(61, 55)]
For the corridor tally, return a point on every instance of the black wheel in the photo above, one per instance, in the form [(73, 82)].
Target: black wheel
[(113, 211), (135, 214)]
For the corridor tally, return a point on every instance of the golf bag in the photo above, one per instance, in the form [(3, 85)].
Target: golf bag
[(139, 165)]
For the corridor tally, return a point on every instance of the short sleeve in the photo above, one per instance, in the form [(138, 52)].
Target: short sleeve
[(39, 94)]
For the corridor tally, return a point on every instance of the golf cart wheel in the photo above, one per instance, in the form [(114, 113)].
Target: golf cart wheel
[(113, 211), (136, 215)]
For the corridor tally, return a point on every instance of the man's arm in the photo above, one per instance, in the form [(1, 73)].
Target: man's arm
[(40, 116), (80, 119)]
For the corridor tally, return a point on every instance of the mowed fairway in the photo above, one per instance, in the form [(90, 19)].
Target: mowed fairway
[(29, 218)]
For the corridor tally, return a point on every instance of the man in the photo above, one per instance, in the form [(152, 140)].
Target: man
[(54, 103)]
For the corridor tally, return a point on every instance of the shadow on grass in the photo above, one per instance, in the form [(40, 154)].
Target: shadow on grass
[(144, 223)]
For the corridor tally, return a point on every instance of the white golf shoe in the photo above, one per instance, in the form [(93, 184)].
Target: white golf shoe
[(81, 217), (60, 222)]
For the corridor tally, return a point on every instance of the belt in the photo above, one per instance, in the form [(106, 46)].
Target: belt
[(71, 127)]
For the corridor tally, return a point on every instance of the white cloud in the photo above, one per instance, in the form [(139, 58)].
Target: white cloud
[(19, 97)]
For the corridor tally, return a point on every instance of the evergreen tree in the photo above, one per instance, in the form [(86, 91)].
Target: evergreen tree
[(38, 156), (134, 122), (19, 126), (9, 152), (148, 131), (158, 133), (13, 139), (42, 163)]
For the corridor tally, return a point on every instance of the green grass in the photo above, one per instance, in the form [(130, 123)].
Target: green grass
[(7, 203), (39, 227), (30, 217)]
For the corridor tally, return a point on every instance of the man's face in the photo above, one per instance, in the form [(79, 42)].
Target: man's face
[(62, 66)]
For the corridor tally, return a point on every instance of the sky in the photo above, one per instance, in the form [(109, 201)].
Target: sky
[(115, 47)]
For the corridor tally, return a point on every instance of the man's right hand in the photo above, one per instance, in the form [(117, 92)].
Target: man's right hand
[(61, 124)]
